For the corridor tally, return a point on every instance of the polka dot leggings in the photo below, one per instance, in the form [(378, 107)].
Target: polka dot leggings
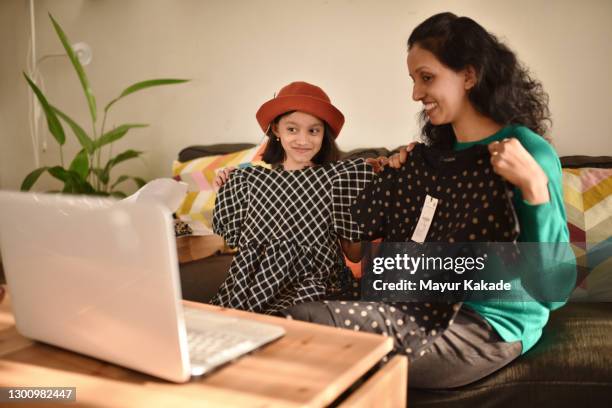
[(413, 326)]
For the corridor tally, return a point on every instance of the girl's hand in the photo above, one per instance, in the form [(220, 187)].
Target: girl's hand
[(400, 158), (378, 164), (222, 177), (511, 161), (394, 161)]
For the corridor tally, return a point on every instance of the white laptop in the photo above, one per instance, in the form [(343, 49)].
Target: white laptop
[(100, 277)]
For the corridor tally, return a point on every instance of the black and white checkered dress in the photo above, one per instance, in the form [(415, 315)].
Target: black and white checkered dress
[(286, 225)]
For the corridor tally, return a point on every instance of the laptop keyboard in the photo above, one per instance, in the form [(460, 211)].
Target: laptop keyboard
[(211, 347), (215, 339)]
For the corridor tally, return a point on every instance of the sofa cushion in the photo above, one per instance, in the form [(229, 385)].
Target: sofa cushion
[(199, 173), (588, 204)]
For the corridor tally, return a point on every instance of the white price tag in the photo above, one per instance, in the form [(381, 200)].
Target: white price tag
[(427, 214)]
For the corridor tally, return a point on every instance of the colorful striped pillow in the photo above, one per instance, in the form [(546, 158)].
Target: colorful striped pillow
[(197, 208), (588, 204)]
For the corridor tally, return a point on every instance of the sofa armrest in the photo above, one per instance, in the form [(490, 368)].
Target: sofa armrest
[(201, 279), (576, 162), (194, 152)]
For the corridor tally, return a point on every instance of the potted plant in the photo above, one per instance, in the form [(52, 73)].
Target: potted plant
[(86, 174)]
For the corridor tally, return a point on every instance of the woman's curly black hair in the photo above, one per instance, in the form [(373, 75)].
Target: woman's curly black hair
[(505, 91)]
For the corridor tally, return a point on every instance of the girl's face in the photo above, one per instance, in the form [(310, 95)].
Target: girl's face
[(301, 136), (443, 92)]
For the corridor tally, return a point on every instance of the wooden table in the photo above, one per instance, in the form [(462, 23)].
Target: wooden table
[(310, 366)]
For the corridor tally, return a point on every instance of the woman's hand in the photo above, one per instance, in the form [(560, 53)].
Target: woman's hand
[(222, 177), (511, 161), (397, 159)]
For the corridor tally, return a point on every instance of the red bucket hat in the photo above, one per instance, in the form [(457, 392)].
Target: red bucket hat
[(304, 97)]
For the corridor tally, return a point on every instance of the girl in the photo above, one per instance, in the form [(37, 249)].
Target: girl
[(475, 94), (287, 221)]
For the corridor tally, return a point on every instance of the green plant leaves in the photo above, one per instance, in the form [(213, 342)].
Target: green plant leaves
[(82, 168), (55, 127), (127, 155), (116, 134), (120, 180), (31, 178), (104, 174), (59, 173), (100, 175), (73, 182), (72, 179), (144, 85), (91, 100), (76, 185), (139, 182), (80, 164), (82, 186), (80, 134), (118, 194)]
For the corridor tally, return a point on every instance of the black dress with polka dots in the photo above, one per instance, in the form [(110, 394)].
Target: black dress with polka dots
[(473, 205)]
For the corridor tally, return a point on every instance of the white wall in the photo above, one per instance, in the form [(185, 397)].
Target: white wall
[(239, 52), (15, 148)]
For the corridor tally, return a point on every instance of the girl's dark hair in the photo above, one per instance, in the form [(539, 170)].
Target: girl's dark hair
[(274, 153), (504, 90)]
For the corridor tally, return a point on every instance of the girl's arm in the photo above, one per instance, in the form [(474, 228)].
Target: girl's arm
[(352, 250), (397, 159), (231, 205)]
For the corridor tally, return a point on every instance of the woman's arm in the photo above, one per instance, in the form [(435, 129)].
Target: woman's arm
[(533, 167), (222, 177)]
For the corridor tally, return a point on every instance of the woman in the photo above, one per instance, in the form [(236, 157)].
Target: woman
[(474, 92)]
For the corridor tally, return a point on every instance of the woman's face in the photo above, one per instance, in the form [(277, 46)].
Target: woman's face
[(443, 92), (301, 136)]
